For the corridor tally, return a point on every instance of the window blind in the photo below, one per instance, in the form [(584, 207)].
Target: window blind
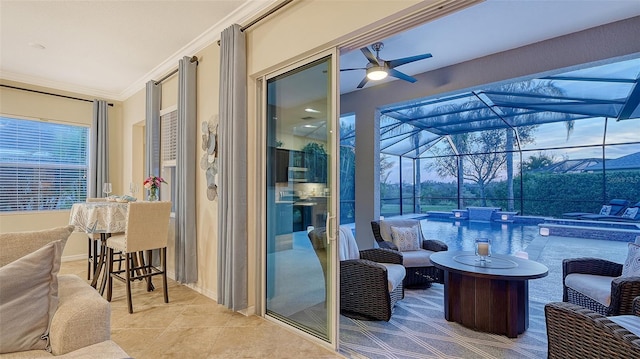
[(43, 165), (168, 135)]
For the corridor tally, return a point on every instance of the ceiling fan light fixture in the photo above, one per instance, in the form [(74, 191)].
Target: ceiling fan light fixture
[(376, 73)]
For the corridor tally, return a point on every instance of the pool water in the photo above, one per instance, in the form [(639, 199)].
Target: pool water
[(506, 238)]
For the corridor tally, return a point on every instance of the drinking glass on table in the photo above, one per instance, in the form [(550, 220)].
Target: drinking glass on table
[(106, 188), (133, 187)]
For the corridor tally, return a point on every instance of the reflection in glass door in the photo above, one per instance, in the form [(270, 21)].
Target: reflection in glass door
[(299, 145)]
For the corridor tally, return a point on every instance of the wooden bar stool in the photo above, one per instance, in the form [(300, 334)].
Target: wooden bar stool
[(93, 245)]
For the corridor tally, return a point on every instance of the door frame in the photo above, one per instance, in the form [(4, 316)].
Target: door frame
[(333, 202)]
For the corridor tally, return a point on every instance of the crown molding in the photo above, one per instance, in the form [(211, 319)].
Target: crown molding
[(212, 35), (84, 91)]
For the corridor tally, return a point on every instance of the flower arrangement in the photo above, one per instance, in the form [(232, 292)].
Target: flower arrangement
[(152, 183)]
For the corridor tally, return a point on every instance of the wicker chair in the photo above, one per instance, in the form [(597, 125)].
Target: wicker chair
[(416, 276), (365, 281), (577, 332), (623, 289)]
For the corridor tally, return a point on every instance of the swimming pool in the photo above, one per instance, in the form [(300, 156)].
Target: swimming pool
[(506, 238)]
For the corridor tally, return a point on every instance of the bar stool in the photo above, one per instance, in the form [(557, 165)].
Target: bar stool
[(93, 238), (147, 229)]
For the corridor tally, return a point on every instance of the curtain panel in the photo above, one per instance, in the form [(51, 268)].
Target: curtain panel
[(152, 129), (232, 204), (99, 144), (185, 198)]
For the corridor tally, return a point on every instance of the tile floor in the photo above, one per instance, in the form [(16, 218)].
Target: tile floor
[(194, 326)]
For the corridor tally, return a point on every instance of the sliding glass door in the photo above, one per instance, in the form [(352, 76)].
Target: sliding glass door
[(301, 197)]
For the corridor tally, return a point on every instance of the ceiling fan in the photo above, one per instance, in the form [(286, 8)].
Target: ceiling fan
[(377, 68)]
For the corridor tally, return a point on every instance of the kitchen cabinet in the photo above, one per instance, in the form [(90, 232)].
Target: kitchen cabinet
[(282, 164), (284, 215), (285, 159)]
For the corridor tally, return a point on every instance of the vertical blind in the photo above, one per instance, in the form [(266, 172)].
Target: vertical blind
[(43, 165)]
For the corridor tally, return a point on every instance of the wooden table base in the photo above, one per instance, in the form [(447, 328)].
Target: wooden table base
[(487, 305)]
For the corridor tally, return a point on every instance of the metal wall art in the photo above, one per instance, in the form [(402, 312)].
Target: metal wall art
[(209, 161)]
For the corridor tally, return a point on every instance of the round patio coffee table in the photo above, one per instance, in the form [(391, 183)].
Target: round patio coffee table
[(492, 297)]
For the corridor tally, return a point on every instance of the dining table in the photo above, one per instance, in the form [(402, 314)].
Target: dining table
[(104, 218)]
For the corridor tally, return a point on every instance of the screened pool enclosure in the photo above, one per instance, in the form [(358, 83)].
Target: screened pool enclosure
[(542, 146)]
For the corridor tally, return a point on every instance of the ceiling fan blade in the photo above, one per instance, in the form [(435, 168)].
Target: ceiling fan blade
[(363, 82), (356, 68), (406, 60), (400, 75), (369, 55)]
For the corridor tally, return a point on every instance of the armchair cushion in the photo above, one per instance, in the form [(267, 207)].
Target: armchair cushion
[(395, 275), (406, 238), (596, 287), (628, 322), (631, 266), (29, 298), (419, 258)]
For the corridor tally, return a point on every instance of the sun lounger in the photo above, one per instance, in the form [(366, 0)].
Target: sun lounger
[(630, 214), (615, 207)]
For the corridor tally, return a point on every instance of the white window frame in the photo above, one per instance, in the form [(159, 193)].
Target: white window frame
[(28, 198)]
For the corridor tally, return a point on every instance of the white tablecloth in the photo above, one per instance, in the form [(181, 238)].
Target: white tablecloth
[(99, 217)]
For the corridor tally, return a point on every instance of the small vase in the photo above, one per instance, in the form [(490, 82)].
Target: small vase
[(153, 194)]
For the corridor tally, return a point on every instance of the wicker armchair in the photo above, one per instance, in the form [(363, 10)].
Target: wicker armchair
[(623, 290), (577, 332), (416, 276), (364, 282)]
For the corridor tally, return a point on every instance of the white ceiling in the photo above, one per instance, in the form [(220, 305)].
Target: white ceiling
[(109, 49)]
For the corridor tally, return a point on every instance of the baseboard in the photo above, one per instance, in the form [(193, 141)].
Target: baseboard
[(207, 293), (77, 257)]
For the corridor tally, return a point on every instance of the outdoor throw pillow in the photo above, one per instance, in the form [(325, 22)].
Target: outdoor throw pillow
[(631, 267), (630, 213), (29, 298), (605, 210), (406, 238)]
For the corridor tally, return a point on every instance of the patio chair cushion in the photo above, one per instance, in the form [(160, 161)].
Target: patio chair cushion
[(605, 210), (596, 287), (628, 322), (406, 238), (419, 258), (29, 297), (631, 266), (395, 275)]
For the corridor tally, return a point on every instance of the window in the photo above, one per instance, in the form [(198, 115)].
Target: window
[(43, 165), (168, 135)]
